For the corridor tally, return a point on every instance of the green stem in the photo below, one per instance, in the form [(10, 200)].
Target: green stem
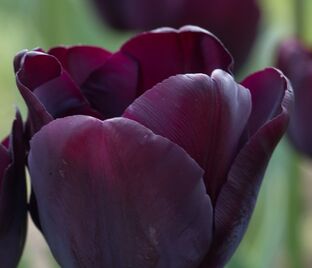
[(294, 214)]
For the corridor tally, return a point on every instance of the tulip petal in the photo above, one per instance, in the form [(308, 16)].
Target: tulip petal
[(43, 75), (4, 162), (168, 52), (205, 116), (13, 199), (267, 88), (38, 115), (238, 196), (113, 194), (113, 87), (80, 61)]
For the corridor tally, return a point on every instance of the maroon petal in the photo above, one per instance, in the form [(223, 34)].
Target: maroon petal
[(111, 88), (5, 160), (38, 115), (114, 194), (267, 90), (205, 116), (238, 196), (13, 199), (166, 52), (80, 61), (43, 75)]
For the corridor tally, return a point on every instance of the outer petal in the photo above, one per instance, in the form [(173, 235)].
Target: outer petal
[(5, 160), (43, 75), (80, 61), (205, 116), (13, 200), (267, 89), (237, 198), (38, 115), (166, 52), (113, 194)]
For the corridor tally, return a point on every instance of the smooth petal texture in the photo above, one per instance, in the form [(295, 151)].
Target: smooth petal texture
[(13, 198), (227, 19), (115, 199), (204, 115), (295, 60), (80, 61), (43, 75), (166, 52), (112, 87), (238, 196), (267, 88)]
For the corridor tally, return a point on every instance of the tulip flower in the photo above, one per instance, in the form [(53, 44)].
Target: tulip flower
[(152, 156), (234, 22), (13, 202), (295, 60)]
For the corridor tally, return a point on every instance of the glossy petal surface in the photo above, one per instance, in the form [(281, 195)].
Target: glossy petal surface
[(122, 196), (204, 115), (267, 90), (238, 196)]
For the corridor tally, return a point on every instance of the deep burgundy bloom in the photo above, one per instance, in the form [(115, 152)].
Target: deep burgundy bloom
[(296, 62), (171, 176), (13, 202), (235, 22)]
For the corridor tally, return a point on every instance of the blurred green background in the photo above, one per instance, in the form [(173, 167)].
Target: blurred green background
[(279, 234)]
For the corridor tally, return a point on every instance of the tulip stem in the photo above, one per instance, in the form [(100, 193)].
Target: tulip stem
[(299, 17), (294, 214)]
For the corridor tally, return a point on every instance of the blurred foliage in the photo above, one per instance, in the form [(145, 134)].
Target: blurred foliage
[(33, 23)]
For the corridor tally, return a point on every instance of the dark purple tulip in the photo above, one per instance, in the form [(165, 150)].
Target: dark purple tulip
[(92, 81), (172, 179), (235, 22), (296, 62), (13, 200)]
